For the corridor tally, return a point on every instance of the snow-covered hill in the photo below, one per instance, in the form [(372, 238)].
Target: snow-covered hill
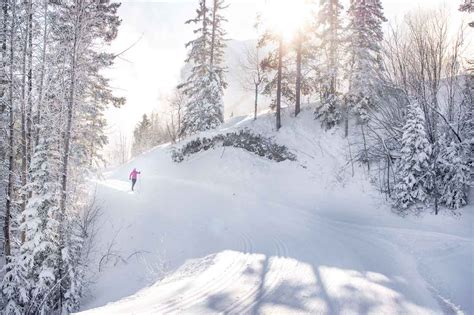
[(230, 232)]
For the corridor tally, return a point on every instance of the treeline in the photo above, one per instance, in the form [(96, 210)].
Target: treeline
[(160, 127), (52, 102), (405, 97)]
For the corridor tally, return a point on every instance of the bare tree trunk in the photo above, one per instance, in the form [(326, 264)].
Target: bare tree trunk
[(256, 102), (24, 116), (388, 176), (365, 147), (346, 119), (213, 34), (29, 121), (11, 137), (67, 139), (42, 73), (278, 100), (298, 75), (4, 78)]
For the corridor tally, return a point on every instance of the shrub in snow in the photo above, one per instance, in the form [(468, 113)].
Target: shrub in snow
[(414, 166), (243, 139)]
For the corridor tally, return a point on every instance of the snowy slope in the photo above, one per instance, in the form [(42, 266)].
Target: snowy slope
[(229, 232)]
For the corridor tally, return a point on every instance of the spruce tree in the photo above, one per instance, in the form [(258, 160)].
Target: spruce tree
[(330, 35), (365, 35), (205, 84), (141, 136), (467, 6), (39, 253), (454, 174), (414, 167)]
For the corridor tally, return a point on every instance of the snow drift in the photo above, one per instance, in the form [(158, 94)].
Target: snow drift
[(228, 231)]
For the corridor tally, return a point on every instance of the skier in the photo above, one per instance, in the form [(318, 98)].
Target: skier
[(133, 177)]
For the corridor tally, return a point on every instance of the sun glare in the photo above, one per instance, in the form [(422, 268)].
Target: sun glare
[(286, 17)]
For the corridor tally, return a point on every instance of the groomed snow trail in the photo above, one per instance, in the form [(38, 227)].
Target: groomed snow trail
[(229, 232)]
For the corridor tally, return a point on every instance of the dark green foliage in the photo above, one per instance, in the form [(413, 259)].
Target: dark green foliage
[(244, 139)]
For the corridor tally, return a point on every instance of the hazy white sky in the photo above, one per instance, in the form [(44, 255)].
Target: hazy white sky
[(151, 68)]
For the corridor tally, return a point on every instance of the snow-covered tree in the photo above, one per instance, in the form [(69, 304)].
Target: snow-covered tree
[(467, 6), (205, 84), (218, 40), (330, 37), (141, 136), (414, 166), (329, 111), (364, 36), (55, 102), (454, 174), (39, 253)]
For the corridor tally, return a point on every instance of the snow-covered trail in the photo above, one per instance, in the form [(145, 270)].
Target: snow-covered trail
[(229, 232)]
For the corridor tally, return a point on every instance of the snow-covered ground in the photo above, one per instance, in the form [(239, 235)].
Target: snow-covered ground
[(229, 232)]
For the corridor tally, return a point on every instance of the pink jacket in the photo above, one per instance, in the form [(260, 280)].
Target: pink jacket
[(133, 174)]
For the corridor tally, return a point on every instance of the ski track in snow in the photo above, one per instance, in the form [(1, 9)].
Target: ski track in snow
[(242, 235)]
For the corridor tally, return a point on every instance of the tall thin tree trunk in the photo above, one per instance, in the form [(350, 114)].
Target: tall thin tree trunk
[(388, 176), (346, 118), (256, 102), (42, 73), (278, 100), (204, 30), (4, 78), (24, 118), (298, 75), (213, 34), (11, 137), (365, 147), (29, 121), (67, 141)]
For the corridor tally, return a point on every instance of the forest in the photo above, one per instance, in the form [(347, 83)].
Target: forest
[(401, 94)]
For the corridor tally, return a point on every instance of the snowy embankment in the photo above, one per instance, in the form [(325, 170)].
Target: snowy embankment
[(228, 231)]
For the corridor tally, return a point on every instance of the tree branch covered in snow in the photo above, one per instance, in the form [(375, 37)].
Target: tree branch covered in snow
[(244, 139)]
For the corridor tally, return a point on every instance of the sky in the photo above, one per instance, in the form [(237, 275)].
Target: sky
[(150, 69)]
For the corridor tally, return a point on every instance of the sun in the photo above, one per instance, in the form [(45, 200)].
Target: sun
[(286, 17)]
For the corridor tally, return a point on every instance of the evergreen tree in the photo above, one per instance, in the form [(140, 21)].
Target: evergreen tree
[(414, 167), (330, 36), (467, 6), (454, 174), (205, 84), (40, 251), (218, 40), (365, 36), (329, 112), (141, 136), (33, 272)]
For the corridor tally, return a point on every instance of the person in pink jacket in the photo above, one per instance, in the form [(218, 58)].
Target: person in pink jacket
[(133, 177)]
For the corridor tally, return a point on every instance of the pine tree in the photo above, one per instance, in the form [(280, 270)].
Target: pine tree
[(14, 287), (454, 174), (39, 253), (205, 84), (414, 167), (330, 35), (55, 98), (141, 136), (467, 6), (218, 40), (364, 47), (329, 112)]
